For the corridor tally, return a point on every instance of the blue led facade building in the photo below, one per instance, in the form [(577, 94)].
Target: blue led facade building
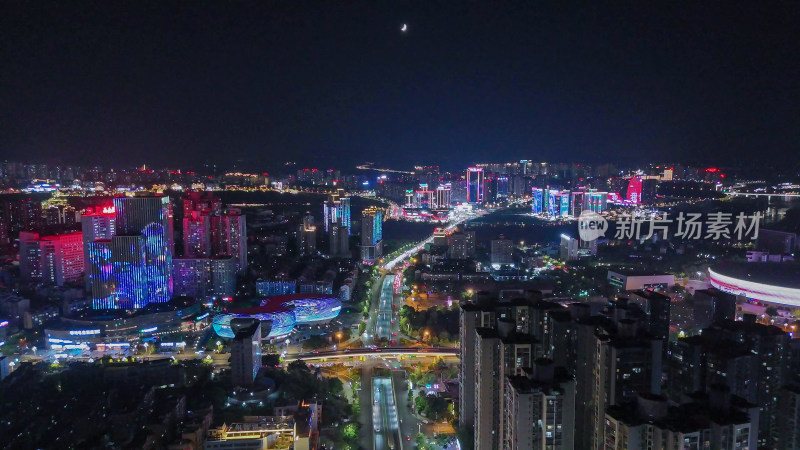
[(134, 267), (538, 200), (564, 210), (371, 234), (118, 272), (152, 218), (552, 202), (336, 210)]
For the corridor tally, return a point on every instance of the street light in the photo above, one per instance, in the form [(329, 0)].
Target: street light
[(339, 337)]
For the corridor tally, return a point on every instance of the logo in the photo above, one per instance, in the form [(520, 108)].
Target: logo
[(591, 226)]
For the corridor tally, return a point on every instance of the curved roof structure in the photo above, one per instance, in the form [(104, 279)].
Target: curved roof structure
[(284, 312), (769, 282)]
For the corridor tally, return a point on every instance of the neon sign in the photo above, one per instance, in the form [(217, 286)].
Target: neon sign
[(83, 332), (109, 210)]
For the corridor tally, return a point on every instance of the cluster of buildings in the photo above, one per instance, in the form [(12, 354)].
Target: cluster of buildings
[(338, 225), (131, 251), (543, 374), (125, 251)]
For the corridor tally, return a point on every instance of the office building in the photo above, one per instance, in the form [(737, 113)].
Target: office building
[(576, 203), (537, 203), (712, 305), (30, 256), (501, 251), (568, 249), (21, 213), (629, 280), (443, 196), (657, 308), (211, 231), (371, 234), (150, 217), (423, 198), (307, 236), (339, 241), (258, 433), (337, 210), (62, 258), (245, 351), (96, 226), (203, 278), (118, 272), (5, 367), (266, 288), (55, 260), (476, 185), (197, 235), (232, 240), (595, 201), (461, 245)]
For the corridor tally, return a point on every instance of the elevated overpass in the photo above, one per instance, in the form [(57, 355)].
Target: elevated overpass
[(419, 352)]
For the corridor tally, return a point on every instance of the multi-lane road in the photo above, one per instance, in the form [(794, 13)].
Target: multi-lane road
[(385, 314), (385, 421)]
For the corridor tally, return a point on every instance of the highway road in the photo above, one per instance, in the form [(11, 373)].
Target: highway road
[(384, 322), (385, 421)]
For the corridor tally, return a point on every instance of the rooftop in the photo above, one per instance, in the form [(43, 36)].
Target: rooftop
[(775, 274)]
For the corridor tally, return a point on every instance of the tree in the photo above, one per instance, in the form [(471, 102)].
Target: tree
[(771, 311), (314, 343), (422, 442)]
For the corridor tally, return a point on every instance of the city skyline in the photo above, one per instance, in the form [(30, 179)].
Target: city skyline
[(399, 225)]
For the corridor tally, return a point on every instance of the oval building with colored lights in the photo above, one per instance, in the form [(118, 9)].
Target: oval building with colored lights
[(777, 283), (283, 313)]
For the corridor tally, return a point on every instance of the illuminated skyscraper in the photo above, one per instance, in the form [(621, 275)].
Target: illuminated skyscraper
[(197, 235), (119, 273), (371, 234), (202, 278), (30, 254), (576, 203), (62, 258), (96, 226), (150, 216), (443, 194), (54, 259), (307, 236), (475, 185), (245, 351), (337, 210), (339, 241), (424, 197), (502, 187), (205, 203), (634, 194), (232, 237), (595, 201), (538, 201)]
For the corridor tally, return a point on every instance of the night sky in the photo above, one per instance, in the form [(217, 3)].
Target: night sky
[(337, 83)]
